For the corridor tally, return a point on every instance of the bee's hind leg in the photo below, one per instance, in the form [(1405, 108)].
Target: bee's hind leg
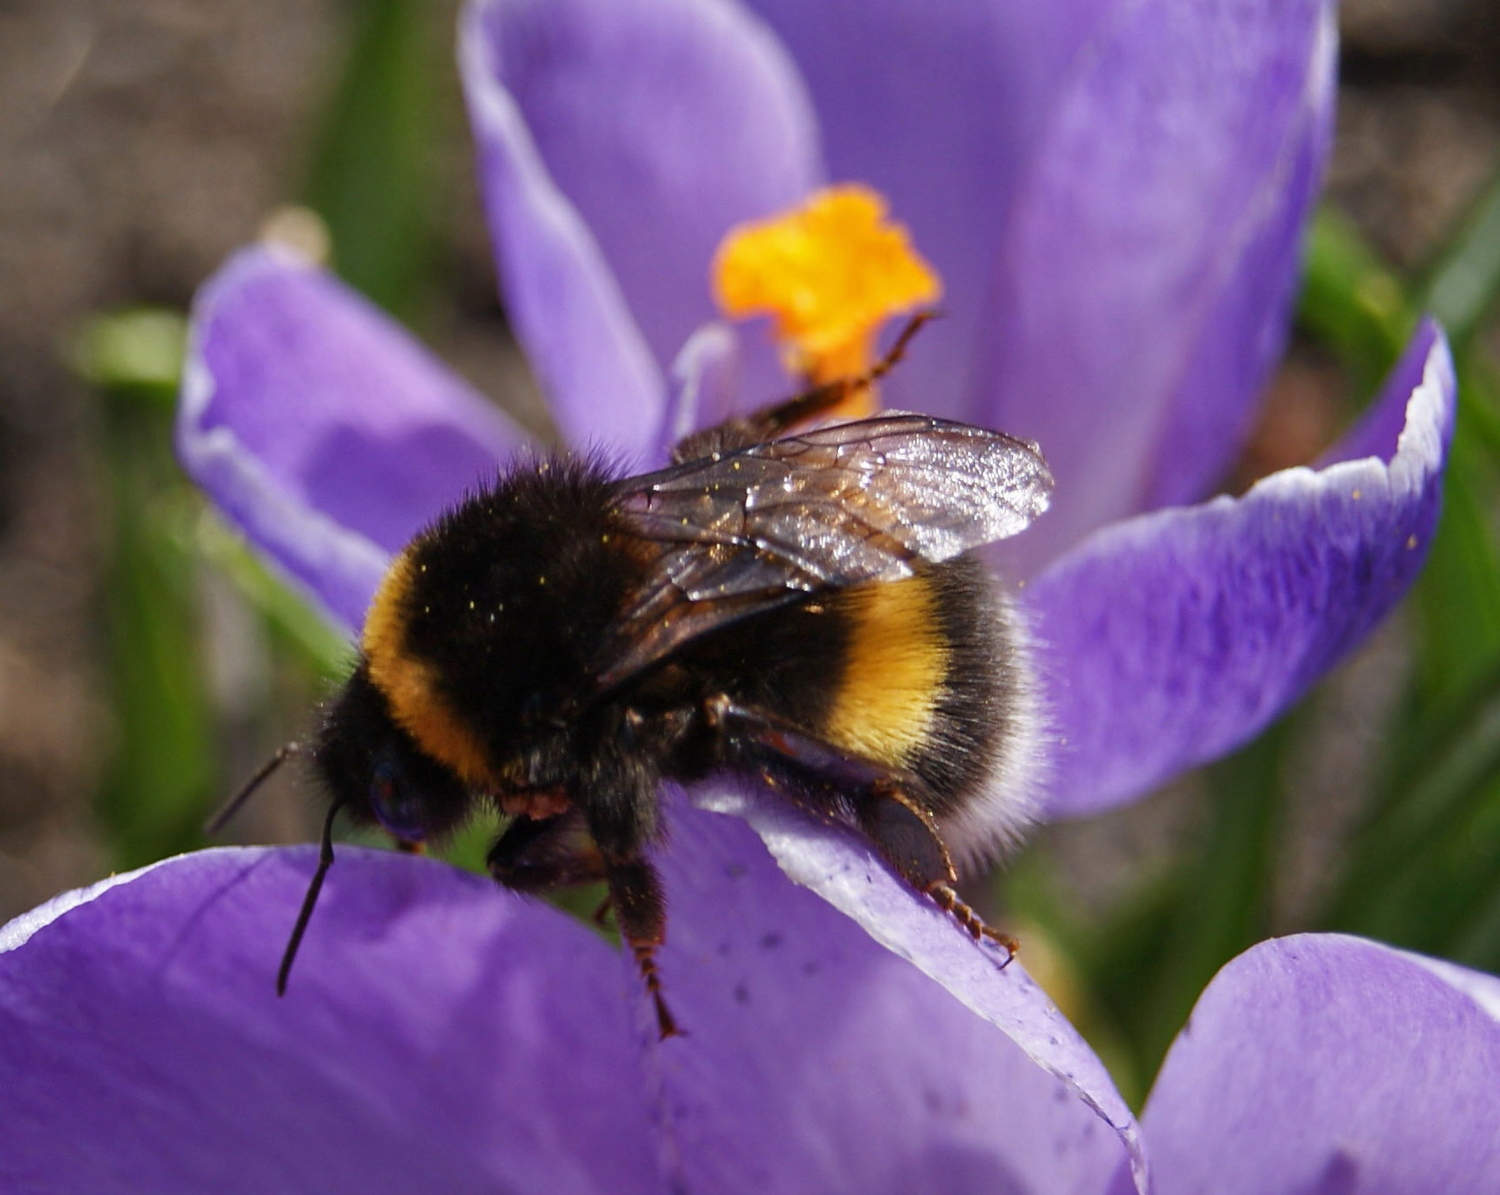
[(907, 837), (829, 783)]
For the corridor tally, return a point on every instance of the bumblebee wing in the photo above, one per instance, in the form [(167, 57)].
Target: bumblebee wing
[(736, 534)]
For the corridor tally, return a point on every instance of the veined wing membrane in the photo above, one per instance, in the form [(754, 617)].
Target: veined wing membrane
[(746, 531)]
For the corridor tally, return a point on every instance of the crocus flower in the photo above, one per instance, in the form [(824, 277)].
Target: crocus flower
[(1112, 196)]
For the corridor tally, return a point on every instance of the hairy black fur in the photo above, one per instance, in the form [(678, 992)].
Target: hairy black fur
[(974, 709)]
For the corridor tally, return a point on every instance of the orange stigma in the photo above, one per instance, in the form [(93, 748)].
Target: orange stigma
[(829, 273)]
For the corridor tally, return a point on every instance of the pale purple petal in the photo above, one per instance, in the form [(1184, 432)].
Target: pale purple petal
[(1033, 1130), (1112, 193), (723, 371), (944, 111), (437, 1035), (1378, 431), (705, 384), (618, 143), (1169, 639), (1146, 268), (1210, 411), (321, 428), (1329, 1065)]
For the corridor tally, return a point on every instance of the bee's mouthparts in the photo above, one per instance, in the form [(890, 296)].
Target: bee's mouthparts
[(535, 803)]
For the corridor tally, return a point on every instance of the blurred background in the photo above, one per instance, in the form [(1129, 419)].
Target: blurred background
[(147, 664)]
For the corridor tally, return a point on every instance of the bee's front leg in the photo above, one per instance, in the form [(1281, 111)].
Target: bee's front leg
[(641, 913), (536, 855), (539, 854)]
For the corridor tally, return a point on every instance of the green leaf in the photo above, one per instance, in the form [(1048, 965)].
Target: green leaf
[(162, 772), (322, 649), (1458, 596), (1145, 964), (1112, 956), (1479, 401), (1352, 302), (1464, 278), (1224, 904), (371, 177), (1446, 772), (135, 352)]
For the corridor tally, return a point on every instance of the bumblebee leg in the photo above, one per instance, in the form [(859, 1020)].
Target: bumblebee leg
[(907, 836), (534, 855), (641, 911), (601, 911), (947, 899), (770, 422), (828, 782)]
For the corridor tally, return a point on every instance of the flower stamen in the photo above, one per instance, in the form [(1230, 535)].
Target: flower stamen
[(829, 273)]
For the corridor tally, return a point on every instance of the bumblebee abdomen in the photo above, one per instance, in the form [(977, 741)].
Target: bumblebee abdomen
[(936, 680), (895, 667)]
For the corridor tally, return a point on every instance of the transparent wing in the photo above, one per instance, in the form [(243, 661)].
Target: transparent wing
[(743, 532)]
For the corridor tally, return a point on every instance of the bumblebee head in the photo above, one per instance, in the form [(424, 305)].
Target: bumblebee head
[(373, 770)]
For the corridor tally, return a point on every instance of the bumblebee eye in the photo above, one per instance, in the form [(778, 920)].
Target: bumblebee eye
[(396, 807)]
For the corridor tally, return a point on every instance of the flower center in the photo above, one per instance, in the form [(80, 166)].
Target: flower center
[(828, 273)]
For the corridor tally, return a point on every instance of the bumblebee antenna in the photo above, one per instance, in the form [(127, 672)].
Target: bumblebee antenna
[(325, 861), (232, 806)]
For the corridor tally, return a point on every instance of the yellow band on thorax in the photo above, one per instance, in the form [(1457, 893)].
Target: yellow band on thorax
[(409, 684)]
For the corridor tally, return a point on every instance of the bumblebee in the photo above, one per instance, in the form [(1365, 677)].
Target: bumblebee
[(796, 607)]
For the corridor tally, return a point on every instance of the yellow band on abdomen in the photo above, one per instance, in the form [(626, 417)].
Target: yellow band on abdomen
[(894, 675)]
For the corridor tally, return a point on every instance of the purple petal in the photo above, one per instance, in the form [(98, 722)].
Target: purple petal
[(321, 428), (822, 1003), (705, 384), (1378, 431), (1210, 411), (723, 371), (1330, 1064), (437, 1036), (618, 144), (1141, 289), (1169, 639), (944, 111), (1112, 194), (441, 1035)]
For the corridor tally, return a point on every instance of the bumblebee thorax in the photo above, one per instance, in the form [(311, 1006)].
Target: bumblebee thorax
[(482, 631), (412, 685)]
